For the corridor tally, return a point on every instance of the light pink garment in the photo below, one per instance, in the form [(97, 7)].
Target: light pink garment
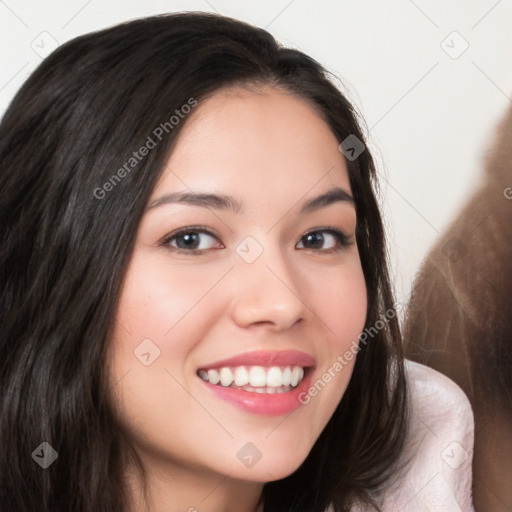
[(439, 447)]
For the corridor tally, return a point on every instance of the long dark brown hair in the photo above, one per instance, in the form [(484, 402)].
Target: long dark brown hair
[(64, 252)]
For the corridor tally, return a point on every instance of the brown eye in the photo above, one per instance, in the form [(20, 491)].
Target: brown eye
[(323, 240), (191, 240)]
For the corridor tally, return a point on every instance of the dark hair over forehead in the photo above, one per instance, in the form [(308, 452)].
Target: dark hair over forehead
[(65, 245)]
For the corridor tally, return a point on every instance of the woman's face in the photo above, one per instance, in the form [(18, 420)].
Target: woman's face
[(238, 273)]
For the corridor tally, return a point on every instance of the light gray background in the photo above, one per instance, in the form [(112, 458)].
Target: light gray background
[(430, 109)]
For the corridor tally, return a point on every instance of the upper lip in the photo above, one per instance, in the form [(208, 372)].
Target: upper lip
[(266, 358)]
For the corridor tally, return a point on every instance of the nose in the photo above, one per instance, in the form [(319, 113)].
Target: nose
[(266, 293)]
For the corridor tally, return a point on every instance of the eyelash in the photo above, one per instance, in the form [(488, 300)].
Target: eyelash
[(342, 239)]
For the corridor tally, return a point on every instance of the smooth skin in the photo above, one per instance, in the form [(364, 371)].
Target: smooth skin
[(272, 152)]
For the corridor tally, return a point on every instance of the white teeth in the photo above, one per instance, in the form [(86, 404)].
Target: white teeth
[(213, 376), (241, 376), (287, 376), (274, 377), (257, 376), (226, 377), (259, 379), (297, 374)]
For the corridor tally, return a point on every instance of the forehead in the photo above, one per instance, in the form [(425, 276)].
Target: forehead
[(256, 139)]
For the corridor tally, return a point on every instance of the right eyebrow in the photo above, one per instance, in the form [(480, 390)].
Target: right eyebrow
[(216, 201)]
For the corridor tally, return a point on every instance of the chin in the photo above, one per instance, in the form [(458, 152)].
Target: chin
[(272, 469)]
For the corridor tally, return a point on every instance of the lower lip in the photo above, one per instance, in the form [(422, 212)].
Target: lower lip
[(265, 404)]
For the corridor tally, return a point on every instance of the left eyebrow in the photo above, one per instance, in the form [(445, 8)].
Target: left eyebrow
[(333, 195)]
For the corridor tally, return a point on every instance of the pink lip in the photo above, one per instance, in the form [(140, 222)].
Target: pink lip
[(264, 403), (266, 358)]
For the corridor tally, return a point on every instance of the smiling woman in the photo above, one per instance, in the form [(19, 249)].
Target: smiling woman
[(158, 343), (244, 338)]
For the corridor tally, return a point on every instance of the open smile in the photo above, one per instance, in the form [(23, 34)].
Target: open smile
[(271, 387)]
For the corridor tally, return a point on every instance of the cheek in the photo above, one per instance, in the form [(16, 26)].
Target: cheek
[(338, 297), (159, 300), (345, 309)]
